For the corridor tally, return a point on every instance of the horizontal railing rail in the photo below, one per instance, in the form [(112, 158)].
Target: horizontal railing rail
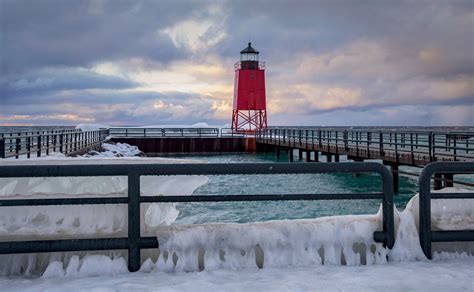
[(134, 242), (427, 236), (43, 142), (173, 132), (409, 147)]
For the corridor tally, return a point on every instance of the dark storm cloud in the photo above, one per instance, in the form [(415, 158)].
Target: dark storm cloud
[(81, 33), (48, 82)]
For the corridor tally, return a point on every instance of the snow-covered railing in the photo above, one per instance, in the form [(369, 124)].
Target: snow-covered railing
[(426, 234), (134, 242), (43, 142)]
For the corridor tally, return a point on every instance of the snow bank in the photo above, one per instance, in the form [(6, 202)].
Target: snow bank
[(115, 150)]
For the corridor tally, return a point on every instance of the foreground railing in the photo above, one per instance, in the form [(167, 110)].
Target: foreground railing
[(134, 242), (409, 146), (43, 142), (427, 236)]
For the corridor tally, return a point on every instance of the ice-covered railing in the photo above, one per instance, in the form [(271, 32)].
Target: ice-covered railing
[(134, 242), (426, 234)]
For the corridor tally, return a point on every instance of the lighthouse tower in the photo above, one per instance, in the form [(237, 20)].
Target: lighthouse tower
[(250, 110)]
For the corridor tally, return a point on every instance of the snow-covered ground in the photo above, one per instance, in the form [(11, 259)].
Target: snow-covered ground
[(436, 275), (330, 254)]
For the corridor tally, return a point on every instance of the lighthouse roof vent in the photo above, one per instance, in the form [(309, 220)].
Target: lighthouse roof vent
[(249, 50)]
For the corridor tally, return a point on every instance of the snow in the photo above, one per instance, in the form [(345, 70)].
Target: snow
[(52, 221), (436, 275), (91, 127)]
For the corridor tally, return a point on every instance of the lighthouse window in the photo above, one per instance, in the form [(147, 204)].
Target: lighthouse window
[(249, 57)]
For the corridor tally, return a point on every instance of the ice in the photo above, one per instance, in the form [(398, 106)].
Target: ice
[(331, 240), (115, 150), (437, 275), (60, 221)]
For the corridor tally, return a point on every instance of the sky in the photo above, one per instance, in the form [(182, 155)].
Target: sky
[(333, 62)]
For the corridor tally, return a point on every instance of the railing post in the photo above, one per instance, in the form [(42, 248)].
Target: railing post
[(454, 149), (345, 137), (11, 142), (2, 147), (368, 144), (28, 147), (133, 222), (381, 144), (357, 143), (319, 139), (396, 148), (47, 144), (75, 141), (61, 142), (411, 149), (17, 147)]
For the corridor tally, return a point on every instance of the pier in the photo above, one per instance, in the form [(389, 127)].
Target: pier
[(393, 148)]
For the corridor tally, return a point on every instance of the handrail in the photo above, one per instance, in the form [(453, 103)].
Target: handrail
[(134, 242), (418, 145), (173, 132), (42, 142), (427, 236)]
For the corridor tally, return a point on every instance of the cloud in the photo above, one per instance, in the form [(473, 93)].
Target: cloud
[(147, 62)]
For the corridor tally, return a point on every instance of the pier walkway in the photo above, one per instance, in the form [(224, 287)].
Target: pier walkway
[(393, 148)]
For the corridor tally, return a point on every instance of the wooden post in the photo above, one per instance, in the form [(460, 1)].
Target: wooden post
[(290, 154)]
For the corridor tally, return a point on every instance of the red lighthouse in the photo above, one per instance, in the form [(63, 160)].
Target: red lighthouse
[(250, 110)]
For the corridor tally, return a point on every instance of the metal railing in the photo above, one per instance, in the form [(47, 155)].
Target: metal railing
[(173, 132), (43, 142), (409, 147), (134, 242), (427, 236)]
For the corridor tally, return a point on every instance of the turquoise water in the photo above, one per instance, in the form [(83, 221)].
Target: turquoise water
[(242, 212)]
